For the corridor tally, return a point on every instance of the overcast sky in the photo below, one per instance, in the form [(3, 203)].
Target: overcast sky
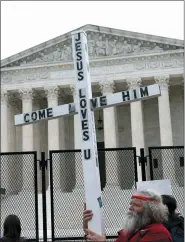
[(25, 24)]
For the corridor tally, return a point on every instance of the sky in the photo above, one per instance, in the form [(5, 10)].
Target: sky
[(25, 24)]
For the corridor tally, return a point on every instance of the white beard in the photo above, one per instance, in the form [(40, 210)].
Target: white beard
[(134, 221), (130, 221)]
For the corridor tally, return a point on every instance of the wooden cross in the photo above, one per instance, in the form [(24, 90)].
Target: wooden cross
[(85, 107)]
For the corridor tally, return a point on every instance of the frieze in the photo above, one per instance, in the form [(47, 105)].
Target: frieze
[(97, 67), (6, 77), (99, 45)]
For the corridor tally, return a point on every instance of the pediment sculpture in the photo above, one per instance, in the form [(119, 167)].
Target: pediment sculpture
[(99, 45)]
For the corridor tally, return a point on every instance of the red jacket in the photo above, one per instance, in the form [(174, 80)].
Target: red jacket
[(152, 233)]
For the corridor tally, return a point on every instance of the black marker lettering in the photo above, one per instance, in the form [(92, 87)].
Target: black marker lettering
[(71, 108), (80, 93), (25, 118), (126, 95), (49, 112), (135, 95), (78, 46), (94, 102), (83, 103), (103, 101), (34, 116), (84, 124), (42, 114), (79, 66), (79, 55), (144, 91), (80, 76), (84, 113), (86, 135), (87, 154), (78, 37)]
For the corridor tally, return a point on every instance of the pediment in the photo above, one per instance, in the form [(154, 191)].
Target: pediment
[(102, 43)]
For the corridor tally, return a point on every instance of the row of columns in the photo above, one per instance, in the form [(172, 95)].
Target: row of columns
[(110, 124)]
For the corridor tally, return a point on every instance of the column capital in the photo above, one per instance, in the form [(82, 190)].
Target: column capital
[(134, 82), (15, 101), (4, 95), (52, 92), (162, 81), (26, 94), (107, 86)]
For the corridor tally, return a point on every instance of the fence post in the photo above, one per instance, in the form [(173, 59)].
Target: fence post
[(43, 166), (142, 162)]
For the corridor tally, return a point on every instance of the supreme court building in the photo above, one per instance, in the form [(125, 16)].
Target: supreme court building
[(43, 76)]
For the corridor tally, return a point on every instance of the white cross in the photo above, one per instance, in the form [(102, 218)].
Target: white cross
[(85, 107)]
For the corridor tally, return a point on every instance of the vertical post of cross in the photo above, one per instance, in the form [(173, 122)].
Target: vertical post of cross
[(88, 133)]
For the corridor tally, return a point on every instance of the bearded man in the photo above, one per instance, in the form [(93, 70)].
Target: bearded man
[(143, 221)]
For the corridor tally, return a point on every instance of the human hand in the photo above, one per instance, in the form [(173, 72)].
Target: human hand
[(92, 236), (87, 216)]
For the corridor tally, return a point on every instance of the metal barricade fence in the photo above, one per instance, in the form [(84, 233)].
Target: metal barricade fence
[(19, 181), (118, 173), (63, 202), (168, 163)]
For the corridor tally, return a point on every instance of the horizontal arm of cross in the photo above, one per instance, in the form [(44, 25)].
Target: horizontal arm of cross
[(101, 102)]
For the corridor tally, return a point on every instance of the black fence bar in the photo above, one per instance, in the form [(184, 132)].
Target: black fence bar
[(51, 198), (43, 166), (36, 197), (143, 162)]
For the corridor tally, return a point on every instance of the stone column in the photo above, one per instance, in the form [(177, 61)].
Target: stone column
[(137, 128), (53, 134), (62, 130), (4, 121), (164, 111), (110, 135), (27, 139), (11, 126), (18, 129), (77, 144), (4, 141), (165, 125), (65, 166), (14, 163)]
